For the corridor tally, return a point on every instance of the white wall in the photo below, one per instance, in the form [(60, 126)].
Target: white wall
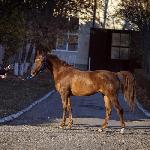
[(79, 57), (84, 37)]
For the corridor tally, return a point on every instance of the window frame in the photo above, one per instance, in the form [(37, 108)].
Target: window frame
[(67, 43), (121, 46)]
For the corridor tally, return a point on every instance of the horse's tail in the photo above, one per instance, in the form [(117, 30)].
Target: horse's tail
[(128, 87)]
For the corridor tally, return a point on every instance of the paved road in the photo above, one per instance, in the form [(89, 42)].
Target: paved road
[(38, 128), (91, 107)]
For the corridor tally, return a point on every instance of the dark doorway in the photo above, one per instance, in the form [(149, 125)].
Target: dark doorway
[(109, 49)]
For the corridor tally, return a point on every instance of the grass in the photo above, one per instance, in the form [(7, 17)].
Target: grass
[(16, 94)]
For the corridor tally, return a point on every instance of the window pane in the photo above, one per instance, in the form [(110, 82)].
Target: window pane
[(115, 53), (73, 42), (124, 53), (115, 39), (61, 42), (125, 39)]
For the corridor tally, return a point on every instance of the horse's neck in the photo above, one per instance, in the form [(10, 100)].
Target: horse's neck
[(56, 70)]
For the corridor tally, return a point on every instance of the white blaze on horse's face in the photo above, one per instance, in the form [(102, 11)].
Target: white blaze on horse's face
[(37, 65)]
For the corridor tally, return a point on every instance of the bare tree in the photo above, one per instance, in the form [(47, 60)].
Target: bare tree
[(137, 14)]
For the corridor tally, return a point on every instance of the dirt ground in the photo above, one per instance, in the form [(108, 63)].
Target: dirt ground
[(51, 138), (16, 93)]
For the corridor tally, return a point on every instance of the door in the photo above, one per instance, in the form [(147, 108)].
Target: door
[(109, 49), (99, 48)]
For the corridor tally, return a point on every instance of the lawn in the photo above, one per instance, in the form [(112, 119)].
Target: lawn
[(16, 94)]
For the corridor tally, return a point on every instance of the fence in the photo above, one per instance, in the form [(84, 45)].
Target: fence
[(22, 61)]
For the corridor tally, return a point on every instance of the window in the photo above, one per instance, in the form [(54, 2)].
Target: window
[(61, 42), (73, 42), (120, 46), (67, 42)]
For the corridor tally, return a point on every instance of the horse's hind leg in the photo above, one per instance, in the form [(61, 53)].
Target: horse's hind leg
[(69, 108), (119, 110), (108, 111)]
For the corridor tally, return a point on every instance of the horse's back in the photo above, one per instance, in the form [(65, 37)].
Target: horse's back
[(89, 82)]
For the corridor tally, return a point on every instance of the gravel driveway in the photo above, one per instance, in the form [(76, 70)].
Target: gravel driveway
[(38, 128)]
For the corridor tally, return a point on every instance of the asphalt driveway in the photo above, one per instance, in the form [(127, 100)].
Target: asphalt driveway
[(86, 110)]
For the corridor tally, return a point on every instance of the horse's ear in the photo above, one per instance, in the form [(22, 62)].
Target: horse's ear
[(37, 53), (41, 50)]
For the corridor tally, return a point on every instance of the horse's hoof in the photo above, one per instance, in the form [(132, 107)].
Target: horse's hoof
[(122, 130), (100, 130), (69, 127), (61, 127)]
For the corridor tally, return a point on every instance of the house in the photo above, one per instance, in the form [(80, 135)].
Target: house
[(76, 48), (104, 18)]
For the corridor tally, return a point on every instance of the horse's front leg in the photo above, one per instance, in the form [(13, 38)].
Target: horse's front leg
[(107, 111), (69, 108), (64, 103)]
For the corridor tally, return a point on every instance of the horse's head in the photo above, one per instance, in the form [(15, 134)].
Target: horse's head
[(39, 64)]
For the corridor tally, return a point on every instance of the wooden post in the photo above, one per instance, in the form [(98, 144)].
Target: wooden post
[(16, 69)]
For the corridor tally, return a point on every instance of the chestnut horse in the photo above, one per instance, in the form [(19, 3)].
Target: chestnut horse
[(70, 81)]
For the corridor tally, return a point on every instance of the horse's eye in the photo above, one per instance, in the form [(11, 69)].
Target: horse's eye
[(38, 59)]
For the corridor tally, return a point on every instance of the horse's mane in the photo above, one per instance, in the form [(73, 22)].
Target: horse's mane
[(58, 60)]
